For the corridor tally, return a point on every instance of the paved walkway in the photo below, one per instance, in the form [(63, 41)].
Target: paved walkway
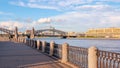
[(18, 55)]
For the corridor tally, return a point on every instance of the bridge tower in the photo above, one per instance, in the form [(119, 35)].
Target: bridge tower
[(53, 33), (16, 33), (32, 35)]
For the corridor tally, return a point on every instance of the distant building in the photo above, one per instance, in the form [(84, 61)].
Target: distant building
[(27, 31), (104, 32), (80, 34), (71, 33), (20, 33)]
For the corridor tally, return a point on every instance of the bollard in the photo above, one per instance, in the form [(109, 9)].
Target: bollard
[(92, 57), (38, 44), (21, 40), (25, 40), (51, 48), (17, 40), (43, 46), (65, 53)]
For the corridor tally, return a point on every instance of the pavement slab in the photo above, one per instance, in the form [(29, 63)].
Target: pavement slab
[(19, 55)]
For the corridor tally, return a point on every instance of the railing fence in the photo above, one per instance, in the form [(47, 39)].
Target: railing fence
[(108, 59), (78, 56), (57, 51)]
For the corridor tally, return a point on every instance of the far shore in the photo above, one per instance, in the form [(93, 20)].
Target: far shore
[(84, 38), (96, 38)]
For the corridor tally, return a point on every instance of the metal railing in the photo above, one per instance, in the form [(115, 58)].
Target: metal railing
[(35, 44), (78, 56), (40, 45), (57, 51), (47, 48), (108, 59)]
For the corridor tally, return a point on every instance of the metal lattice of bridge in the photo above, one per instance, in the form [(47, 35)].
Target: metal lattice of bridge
[(51, 30), (11, 32)]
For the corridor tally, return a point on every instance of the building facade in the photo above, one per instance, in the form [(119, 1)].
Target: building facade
[(27, 32), (104, 32)]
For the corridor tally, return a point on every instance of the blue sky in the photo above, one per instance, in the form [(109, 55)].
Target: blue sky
[(66, 15)]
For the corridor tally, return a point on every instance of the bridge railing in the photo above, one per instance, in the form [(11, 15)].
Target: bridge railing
[(6, 30), (78, 56)]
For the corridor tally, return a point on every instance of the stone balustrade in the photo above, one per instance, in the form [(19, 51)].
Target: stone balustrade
[(77, 57), (4, 39)]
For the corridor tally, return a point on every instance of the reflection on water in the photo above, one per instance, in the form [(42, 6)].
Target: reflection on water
[(109, 45)]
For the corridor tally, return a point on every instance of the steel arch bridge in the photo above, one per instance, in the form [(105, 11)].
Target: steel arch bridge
[(11, 32), (53, 30)]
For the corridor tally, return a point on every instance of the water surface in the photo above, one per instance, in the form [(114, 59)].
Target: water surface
[(103, 44)]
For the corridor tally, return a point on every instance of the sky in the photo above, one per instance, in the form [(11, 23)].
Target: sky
[(65, 15)]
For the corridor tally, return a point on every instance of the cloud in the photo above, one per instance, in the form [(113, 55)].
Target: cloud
[(40, 6), (22, 26), (78, 15), (82, 21), (27, 20), (32, 5), (6, 13), (20, 3), (67, 5), (11, 24), (96, 7), (71, 21), (111, 0), (44, 20)]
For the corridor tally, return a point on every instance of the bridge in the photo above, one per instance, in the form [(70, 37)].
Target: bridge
[(42, 32), (11, 32), (65, 56), (53, 31), (50, 33)]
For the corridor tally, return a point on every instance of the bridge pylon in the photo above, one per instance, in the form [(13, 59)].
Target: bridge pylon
[(16, 33), (32, 35)]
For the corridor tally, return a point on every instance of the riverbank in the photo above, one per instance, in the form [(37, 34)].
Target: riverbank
[(97, 38), (88, 38)]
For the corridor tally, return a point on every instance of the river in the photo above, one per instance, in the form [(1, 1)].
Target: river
[(102, 44)]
